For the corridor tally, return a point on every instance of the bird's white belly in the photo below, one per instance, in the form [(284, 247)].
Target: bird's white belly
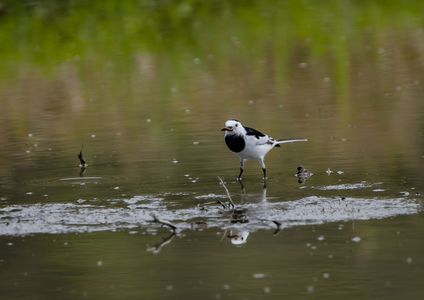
[(254, 151)]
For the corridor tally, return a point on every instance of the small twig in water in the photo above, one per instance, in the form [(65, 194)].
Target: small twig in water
[(165, 223), (277, 230), (226, 190), (83, 163)]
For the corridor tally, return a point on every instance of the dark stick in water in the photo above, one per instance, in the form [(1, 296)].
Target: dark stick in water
[(172, 226), (83, 163)]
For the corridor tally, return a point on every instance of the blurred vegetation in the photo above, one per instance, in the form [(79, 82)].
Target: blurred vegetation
[(50, 32)]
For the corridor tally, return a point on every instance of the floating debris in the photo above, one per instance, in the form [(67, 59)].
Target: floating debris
[(303, 174), (347, 186), (356, 239), (329, 172), (135, 212), (258, 275)]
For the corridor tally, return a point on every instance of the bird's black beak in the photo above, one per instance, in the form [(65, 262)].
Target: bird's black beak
[(227, 129)]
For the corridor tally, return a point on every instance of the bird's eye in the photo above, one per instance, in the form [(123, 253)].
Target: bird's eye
[(236, 125)]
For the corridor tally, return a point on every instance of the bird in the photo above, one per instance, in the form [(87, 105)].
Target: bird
[(249, 143)]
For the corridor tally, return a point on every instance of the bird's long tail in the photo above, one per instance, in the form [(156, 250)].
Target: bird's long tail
[(290, 141)]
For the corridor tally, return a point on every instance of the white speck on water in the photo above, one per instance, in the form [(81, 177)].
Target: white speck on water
[(100, 263), (321, 238), (10, 244), (29, 193), (340, 172), (65, 243), (226, 286), (187, 110), (169, 287), (133, 232), (381, 51), (330, 256), (116, 188), (93, 136), (196, 143), (310, 289), (174, 90), (398, 88), (405, 194), (148, 120), (409, 260), (314, 247), (326, 275), (196, 60), (3, 198), (378, 190), (186, 175), (356, 239), (327, 79), (308, 245), (30, 135), (328, 171), (81, 200), (251, 102), (28, 151), (258, 275), (175, 161), (35, 145), (82, 183), (303, 65), (267, 290)]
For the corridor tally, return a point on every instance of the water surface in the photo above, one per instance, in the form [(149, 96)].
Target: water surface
[(144, 89)]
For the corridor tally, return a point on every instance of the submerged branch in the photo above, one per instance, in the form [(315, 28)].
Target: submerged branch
[(226, 190), (165, 223)]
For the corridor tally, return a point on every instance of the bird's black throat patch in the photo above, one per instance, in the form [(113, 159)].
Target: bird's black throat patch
[(235, 142)]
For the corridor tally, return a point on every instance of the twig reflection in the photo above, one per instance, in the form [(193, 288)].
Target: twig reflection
[(156, 248)]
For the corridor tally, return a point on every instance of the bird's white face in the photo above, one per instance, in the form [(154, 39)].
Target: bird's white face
[(233, 127)]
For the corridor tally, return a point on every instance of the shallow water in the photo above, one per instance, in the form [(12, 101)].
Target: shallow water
[(148, 120)]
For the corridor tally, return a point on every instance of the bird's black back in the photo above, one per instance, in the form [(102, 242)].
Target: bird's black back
[(235, 142)]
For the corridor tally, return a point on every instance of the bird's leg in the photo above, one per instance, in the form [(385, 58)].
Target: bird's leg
[(241, 168), (262, 162)]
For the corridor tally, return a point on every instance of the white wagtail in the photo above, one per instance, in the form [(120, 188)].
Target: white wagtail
[(249, 143)]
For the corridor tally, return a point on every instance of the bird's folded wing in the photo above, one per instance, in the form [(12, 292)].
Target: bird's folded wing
[(264, 140)]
